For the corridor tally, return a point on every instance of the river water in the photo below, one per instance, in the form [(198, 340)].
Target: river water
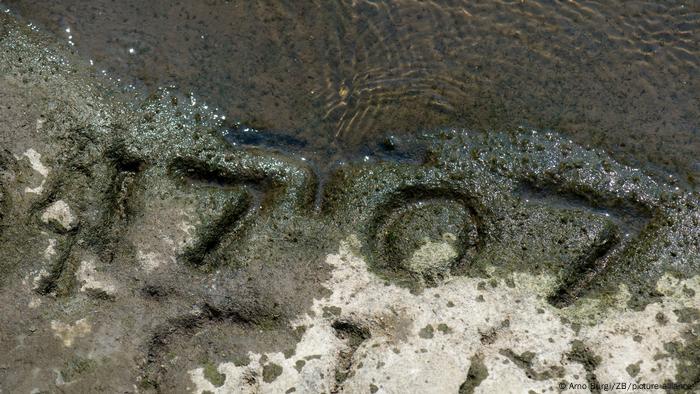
[(339, 76)]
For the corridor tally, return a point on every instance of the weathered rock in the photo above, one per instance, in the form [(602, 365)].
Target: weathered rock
[(498, 262), (60, 216)]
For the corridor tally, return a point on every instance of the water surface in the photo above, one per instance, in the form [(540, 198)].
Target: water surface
[(341, 75)]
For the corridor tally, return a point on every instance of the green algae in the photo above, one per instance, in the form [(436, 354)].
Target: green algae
[(477, 373), (524, 362), (271, 371), (444, 328), (211, 373), (687, 354), (581, 354), (633, 369), (426, 332), (77, 367)]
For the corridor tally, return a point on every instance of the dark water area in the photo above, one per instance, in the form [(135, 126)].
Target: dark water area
[(341, 76)]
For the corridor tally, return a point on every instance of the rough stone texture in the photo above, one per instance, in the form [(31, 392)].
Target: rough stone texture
[(428, 342), (141, 253), (60, 214)]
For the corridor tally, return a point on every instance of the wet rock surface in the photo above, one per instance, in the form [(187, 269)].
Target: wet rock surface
[(142, 253)]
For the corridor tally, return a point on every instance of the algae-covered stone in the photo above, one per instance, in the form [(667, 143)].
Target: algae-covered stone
[(476, 374), (271, 371), (426, 239), (426, 332), (213, 375)]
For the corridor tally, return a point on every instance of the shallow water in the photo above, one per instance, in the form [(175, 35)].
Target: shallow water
[(338, 76)]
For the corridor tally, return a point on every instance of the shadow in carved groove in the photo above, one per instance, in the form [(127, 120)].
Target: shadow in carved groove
[(167, 334), (260, 192), (629, 218), (6, 161), (230, 218), (107, 232), (419, 220)]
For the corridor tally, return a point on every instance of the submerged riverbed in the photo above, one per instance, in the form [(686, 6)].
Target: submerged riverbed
[(341, 75)]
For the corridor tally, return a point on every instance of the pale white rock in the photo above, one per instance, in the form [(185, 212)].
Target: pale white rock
[(35, 190), (60, 213), (40, 124), (41, 275), (91, 279), (318, 348), (432, 258), (50, 250), (152, 260), (426, 342), (67, 332), (187, 229), (34, 158), (34, 302)]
